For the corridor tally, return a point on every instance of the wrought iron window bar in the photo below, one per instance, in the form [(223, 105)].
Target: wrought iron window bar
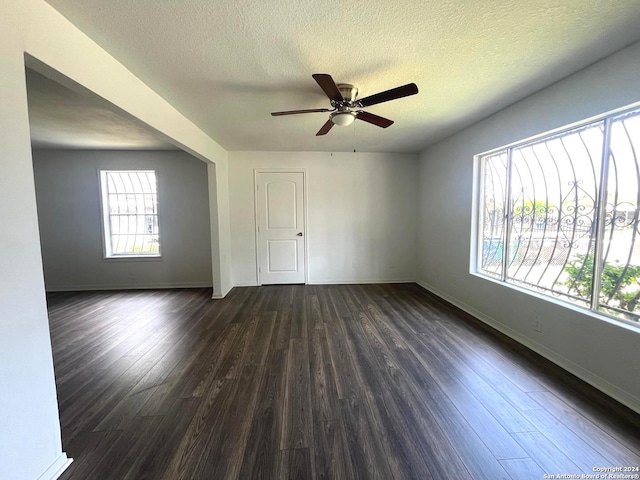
[(559, 215)]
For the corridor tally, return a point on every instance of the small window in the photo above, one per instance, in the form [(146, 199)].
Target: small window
[(130, 213), (559, 215)]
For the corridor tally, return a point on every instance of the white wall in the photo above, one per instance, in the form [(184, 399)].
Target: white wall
[(218, 175), (29, 426), (68, 199), (361, 210), (30, 445), (601, 352)]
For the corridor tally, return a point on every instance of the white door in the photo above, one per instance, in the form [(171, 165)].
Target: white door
[(280, 228)]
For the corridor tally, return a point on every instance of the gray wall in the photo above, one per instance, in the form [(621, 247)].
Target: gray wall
[(602, 352), (67, 195)]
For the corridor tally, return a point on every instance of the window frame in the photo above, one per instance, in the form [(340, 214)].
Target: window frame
[(477, 220), (105, 225)]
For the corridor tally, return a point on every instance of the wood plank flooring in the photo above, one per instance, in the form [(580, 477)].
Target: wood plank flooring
[(316, 382)]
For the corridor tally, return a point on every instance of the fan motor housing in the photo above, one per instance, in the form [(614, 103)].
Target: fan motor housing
[(349, 92)]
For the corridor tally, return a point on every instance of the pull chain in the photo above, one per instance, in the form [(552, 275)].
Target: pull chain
[(354, 137)]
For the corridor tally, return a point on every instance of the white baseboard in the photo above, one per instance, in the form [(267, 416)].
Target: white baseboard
[(246, 284), (221, 295), (356, 281), (591, 378), (57, 468), (125, 286)]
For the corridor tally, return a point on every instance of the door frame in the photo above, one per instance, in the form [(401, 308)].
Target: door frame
[(256, 171)]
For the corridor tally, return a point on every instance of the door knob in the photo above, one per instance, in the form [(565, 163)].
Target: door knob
[(299, 234)]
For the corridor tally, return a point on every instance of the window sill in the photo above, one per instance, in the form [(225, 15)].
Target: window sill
[(133, 258)]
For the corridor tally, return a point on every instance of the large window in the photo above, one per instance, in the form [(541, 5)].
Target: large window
[(130, 213), (559, 215)]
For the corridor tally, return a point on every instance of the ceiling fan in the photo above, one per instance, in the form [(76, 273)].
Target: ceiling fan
[(345, 103)]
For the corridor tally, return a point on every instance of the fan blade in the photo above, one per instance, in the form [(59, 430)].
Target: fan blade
[(325, 128), (394, 93), (294, 112), (374, 119), (328, 86)]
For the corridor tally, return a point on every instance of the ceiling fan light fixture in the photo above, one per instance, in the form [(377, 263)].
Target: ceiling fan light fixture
[(343, 119)]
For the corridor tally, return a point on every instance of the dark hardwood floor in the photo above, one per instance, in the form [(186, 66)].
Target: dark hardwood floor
[(325, 382)]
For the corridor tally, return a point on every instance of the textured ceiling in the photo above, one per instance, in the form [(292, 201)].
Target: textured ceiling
[(62, 118), (227, 65)]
